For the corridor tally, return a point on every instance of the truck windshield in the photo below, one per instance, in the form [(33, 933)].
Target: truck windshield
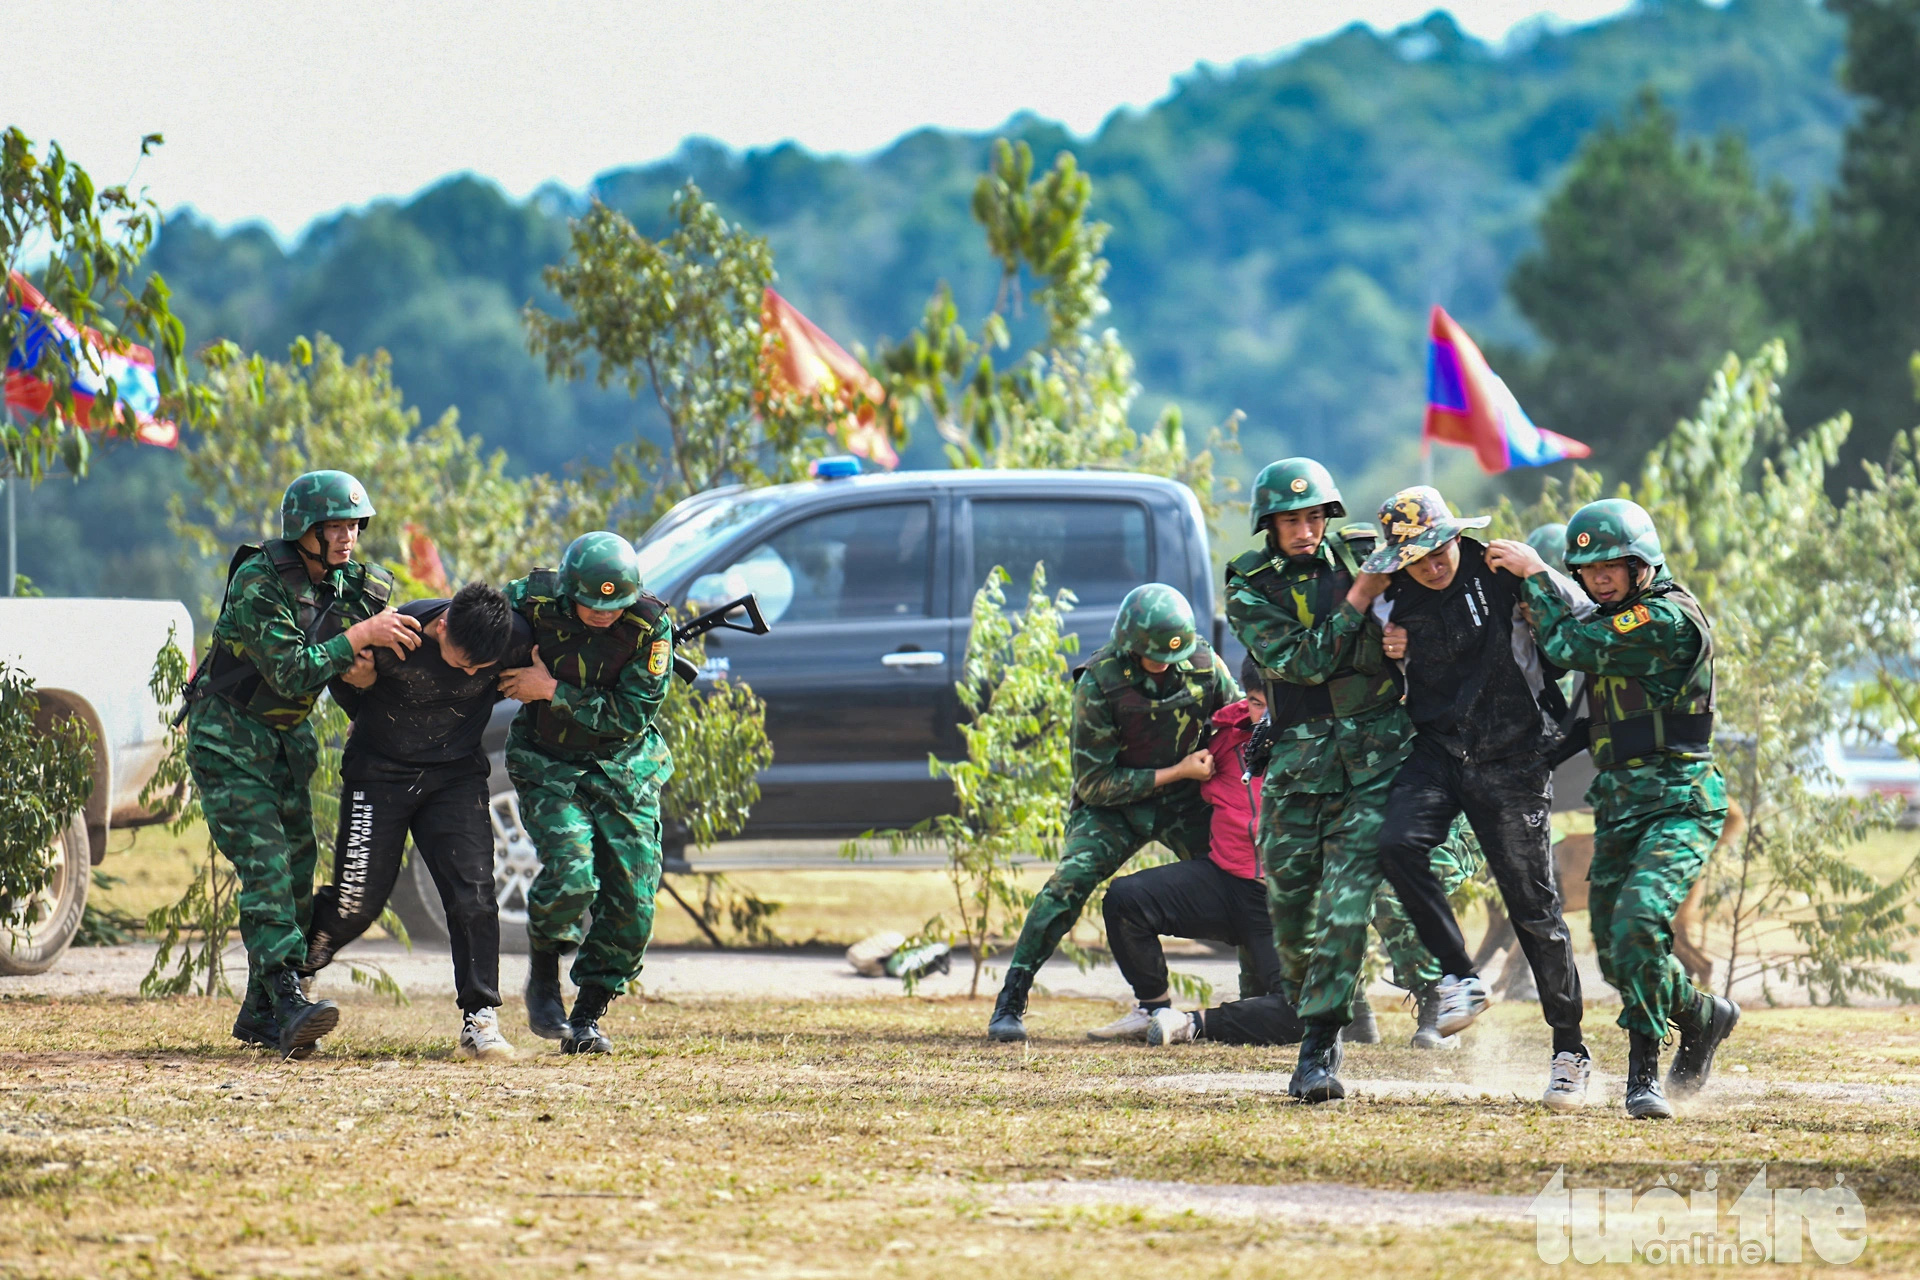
[(664, 558)]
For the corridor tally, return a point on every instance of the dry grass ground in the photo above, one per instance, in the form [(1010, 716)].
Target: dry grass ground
[(864, 1138)]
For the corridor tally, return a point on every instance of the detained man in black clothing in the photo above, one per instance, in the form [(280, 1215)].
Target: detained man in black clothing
[(1484, 708), (414, 763)]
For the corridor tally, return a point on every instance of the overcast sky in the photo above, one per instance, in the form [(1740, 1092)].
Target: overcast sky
[(283, 112)]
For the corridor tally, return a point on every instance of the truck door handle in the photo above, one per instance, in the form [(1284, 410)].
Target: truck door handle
[(914, 658)]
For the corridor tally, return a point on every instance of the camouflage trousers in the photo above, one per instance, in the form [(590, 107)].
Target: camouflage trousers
[(596, 825), (1324, 886), (1653, 829), (252, 782), (1099, 841)]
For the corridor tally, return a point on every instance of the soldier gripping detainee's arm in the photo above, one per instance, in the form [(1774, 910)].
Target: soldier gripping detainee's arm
[(1659, 801), (589, 764), (414, 765), (1340, 735), (296, 613), (1486, 730), (1142, 710)]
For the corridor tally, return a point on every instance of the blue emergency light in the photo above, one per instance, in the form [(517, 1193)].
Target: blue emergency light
[(842, 466)]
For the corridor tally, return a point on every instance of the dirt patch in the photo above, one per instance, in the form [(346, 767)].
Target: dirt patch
[(1328, 1203)]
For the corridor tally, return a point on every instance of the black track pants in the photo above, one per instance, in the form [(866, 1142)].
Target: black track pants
[(448, 822), (1506, 803), (1198, 899)]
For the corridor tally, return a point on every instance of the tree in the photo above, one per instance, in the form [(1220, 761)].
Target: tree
[(679, 315), (46, 774), (1650, 269), (93, 239), (1849, 282), (1065, 401), (318, 410)]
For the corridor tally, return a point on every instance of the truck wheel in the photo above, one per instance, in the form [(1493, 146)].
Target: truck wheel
[(54, 913), (417, 902)]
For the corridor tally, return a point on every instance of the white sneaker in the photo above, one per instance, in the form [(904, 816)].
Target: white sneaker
[(1171, 1026), (1567, 1082), (481, 1040), (1131, 1025), (1461, 1001)]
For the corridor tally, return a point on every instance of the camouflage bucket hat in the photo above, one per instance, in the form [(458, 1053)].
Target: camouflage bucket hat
[(1412, 523)]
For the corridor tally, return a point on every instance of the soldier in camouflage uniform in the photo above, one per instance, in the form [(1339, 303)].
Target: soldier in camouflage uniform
[(297, 611), (1142, 709), (1659, 801), (589, 762), (1340, 737)]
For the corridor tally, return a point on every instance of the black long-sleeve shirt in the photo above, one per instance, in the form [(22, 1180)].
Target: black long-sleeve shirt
[(420, 712)]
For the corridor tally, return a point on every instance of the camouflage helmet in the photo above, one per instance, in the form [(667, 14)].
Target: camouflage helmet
[(1361, 538), (1550, 540), (1293, 484), (1156, 622), (1413, 522), (601, 571), (1612, 529), (319, 496)]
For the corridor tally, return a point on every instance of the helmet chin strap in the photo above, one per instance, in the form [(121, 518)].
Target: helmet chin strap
[(321, 560)]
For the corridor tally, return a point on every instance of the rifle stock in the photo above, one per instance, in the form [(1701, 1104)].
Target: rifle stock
[(716, 620)]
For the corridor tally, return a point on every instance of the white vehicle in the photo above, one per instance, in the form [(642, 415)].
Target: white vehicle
[(91, 659), (1868, 765)]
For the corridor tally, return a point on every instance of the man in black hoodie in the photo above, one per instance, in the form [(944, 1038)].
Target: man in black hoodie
[(1484, 708)]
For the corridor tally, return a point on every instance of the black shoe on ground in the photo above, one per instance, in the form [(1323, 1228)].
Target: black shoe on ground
[(1363, 1029), (1010, 1009), (583, 1028), (1702, 1029), (254, 1023), (1426, 1015), (1317, 1078), (546, 1010), (1645, 1099), (298, 1022)]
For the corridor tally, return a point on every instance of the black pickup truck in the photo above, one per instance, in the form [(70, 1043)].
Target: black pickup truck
[(868, 583)]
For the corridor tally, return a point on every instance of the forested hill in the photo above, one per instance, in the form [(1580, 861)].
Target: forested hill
[(1279, 228)]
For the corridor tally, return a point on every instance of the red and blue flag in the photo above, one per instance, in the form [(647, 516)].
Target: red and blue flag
[(1468, 405), (92, 362)]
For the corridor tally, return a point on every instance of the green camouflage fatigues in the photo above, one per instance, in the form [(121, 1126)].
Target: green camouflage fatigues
[(1341, 736), (1659, 802), (589, 766), (1126, 725), (249, 745)]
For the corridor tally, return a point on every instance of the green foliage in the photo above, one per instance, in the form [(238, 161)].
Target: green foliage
[(103, 926), (93, 239), (46, 775), (318, 410), (1011, 791), (1849, 283), (1064, 402), (191, 932), (719, 742), (679, 315), (1650, 267)]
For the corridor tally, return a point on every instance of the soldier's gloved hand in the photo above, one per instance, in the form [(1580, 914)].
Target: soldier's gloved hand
[(531, 683), (1393, 641), (361, 674), (388, 629)]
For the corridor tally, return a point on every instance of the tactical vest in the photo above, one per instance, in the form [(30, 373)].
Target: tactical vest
[(320, 615), (588, 657), (1158, 732), (1311, 595), (1625, 721)]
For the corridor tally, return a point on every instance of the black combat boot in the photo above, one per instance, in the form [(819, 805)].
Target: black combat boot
[(1011, 1007), (583, 1028), (1645, 1101), (1703, 1026), (298, 1022), (1317, 1077), (546, 1011), (1426, 1014), (254, 1023), (1363, 1029)]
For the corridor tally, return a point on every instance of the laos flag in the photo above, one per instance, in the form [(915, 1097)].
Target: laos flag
[(93, 362), (1468, 405)]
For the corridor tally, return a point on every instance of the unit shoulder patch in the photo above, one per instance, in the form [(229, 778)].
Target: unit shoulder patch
[(659, 656), (1637, 616)]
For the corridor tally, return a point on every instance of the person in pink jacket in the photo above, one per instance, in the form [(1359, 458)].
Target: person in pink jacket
[(1220, 898)]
